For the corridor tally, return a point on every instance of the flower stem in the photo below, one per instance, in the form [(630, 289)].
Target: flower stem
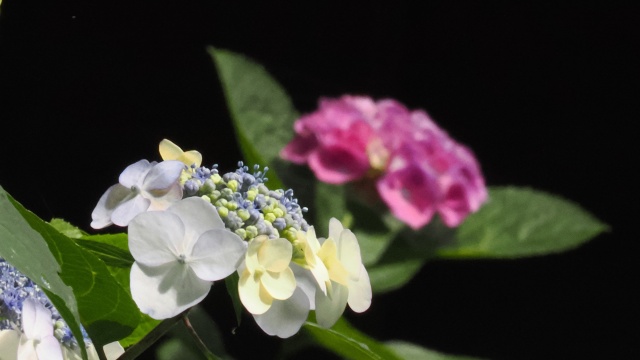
[(201, 345), (154, 335)]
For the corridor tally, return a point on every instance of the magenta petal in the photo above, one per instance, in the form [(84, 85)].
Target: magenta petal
[(337, 165), (298, 150), (411, 195)]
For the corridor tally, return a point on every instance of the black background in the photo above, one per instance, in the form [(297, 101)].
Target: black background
[(545, 94)]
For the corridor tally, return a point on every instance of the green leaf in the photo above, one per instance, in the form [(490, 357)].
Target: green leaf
[(260, 108), (346, 341), (67, 229), (409, 351), (74, 277), (385, 277), (109, 254), (519, 222), (231, 282), (330, 201)]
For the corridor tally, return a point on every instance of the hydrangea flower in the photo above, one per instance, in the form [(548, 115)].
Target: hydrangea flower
[(142, 186), (418, 170), (178, 253), (265, 274), (32, 328), (340, 252), (36, 341)]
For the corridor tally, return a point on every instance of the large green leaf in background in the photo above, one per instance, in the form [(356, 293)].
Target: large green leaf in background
[(519, 222), (78, 283), (261, 110)]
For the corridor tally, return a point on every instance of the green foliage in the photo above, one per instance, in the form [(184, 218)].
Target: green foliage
[(261, 110), (519, 222), (77, 282), (409, 351)]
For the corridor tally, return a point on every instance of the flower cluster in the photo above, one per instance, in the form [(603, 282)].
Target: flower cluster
[(417, 168), (189, 226), (32, 328)]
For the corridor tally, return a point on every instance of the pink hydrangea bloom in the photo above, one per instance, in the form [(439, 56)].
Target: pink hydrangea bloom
[(419, 170)]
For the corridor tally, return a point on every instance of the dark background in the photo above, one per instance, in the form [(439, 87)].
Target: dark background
[(545, 94)]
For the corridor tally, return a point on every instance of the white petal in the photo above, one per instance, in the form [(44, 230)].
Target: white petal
[(285, 317), (349, 252), (279, 285), (253, 297), (113, 350), (36, 320), (135, 173), (360, 292), (166, 291), (161, 200), (163, 175), (335, 228), (306, 282), (127, 210), (156, 238), (9, 340), (27, 349), (49, 348), (101, 214), (330, 308), (217, 254), (198, 216)]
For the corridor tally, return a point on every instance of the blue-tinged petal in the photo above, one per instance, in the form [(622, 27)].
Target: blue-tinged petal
[(162, 199), (127, 210), (163, 175), (285, 317), (156, 238), (135, 173), (167, 290), (113, 197), (48, 348), (217, 254)]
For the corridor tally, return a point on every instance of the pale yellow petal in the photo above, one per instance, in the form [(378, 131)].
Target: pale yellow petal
[(349, 253), (275, 254), (279, 285), (256, 300), (170, 151), (329, 255)]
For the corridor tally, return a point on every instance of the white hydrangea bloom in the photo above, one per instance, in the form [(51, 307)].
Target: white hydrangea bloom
[(142, 186), (37, 341), (179, 253)]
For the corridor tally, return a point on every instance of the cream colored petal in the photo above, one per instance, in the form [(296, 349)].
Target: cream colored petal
[(360, 292), (275, 254), (329, 255), (251, 258), (171, 151), (9, 340), (279, 285), (335, 228), (255, 299), (349, 252)]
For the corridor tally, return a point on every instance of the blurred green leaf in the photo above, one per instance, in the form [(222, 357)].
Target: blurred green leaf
[(519, 222), (261, 110), (349, 343), (409, 351), (56, 263)]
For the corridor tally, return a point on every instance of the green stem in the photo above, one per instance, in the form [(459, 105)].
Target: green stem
[(154, 335), (201, 345), (100, 352)]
